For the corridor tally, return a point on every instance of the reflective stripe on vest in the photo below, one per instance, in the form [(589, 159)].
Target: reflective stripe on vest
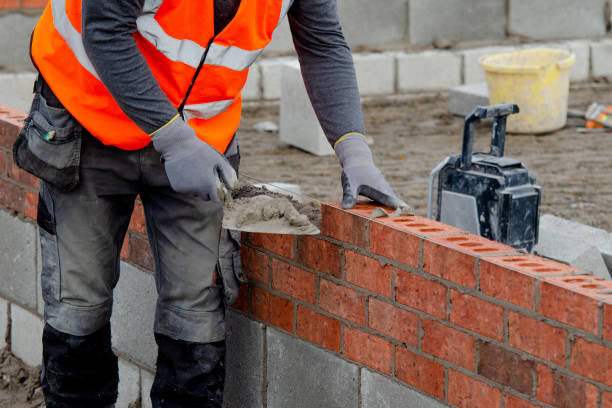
[(227, 61)]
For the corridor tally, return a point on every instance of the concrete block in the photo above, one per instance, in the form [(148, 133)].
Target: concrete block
[(601, 59), (4, 322), (592, 261), (299, 125), (566, 240), (252, 88), (129, 384), (378, 391), (26, 335), (15, 53), (472, 72), (18, 260), (459, 20), (282, 42), (244, 362), (367, 22), (302, 375), (146, 382), (430, 70), (463, 99), (133, 315), (16, 90), (271, 76), (375, 73), (549, 19)]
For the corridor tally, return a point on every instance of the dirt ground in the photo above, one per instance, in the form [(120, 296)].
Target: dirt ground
[(19, 384), (412, 134)]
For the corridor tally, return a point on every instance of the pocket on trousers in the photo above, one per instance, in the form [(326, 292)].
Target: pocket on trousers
[(49, 145), (50, 277)]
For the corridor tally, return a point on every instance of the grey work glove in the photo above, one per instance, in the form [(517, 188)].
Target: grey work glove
[(361, 176), (230, 265), (193, 166)]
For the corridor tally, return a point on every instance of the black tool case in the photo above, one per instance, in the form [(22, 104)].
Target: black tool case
[(488, 194)]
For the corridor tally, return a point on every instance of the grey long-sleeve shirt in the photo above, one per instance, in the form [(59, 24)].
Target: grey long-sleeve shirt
[(325, 60)]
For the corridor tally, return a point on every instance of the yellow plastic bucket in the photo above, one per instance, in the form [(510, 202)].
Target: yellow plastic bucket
[(537, 80)]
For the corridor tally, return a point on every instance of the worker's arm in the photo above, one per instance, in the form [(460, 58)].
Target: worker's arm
[(329, 76), (192, 166)]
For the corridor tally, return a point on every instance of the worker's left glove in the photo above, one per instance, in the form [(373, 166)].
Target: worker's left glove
[(361, 176)]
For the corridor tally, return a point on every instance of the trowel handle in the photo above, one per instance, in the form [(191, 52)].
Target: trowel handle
[(499, 113)]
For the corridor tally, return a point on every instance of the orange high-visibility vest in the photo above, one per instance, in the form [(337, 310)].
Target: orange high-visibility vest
[(173, 36)]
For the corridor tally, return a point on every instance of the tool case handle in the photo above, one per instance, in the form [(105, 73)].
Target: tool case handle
[(500, 114)]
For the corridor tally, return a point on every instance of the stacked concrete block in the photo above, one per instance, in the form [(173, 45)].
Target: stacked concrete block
[(457, 20), (282, 41), (378, 391), (129, 384), (431, 70), (146, 383), (375, 73), (17, 27), (16, 89), (581, 70), (4, 322), (299, 125), (26, 335), (133, 315), (472, 71), (549, 19), (324, 379), (252, 88), (271, 69), (464, 98), (18, 260), (601, 59), (367, 22), (244, 362)]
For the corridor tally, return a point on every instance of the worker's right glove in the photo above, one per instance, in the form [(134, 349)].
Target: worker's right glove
[(361, 176), (193, 166)]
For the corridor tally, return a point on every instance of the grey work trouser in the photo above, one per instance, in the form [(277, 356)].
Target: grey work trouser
[(82, 232)]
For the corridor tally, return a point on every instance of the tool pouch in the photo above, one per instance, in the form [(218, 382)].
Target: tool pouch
[(230, 265), (49, 144)]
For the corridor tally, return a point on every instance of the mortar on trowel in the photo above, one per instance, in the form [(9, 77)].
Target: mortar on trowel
[(255, 208)]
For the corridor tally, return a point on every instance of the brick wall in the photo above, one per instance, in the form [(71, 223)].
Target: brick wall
[(459, 319)]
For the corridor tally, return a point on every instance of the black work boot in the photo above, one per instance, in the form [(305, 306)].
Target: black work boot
[(189, 374), (79, 371)]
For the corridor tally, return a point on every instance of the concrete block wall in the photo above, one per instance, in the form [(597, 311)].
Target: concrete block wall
[(401, 311)]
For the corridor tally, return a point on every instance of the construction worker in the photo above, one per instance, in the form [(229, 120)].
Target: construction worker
[(143, 98)]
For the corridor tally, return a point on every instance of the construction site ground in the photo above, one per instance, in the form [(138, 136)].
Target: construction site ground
[(413, 133)]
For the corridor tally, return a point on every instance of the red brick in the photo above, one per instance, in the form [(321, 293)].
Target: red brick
[(140, 252), (31, 204), (272, 309), (33, 3), (449, 264), (281, 244), (606, 399), (394, 322), (11, 121), (125, 247), (607, 322), (537, 338), (420, 226), (508, 285), (473, 245), (368, 273), (21, 176), (394, 244), (466, 392), (319, 255), (448, 344), (342, 301), (570, 307), (516, 402), (318, 328), (12, 196), (255, 264), (421, 372), (477, 315), (3, 154), (293, 281), (242, 303), (137, 222), (564, 391), (505, 367), (533, 265), (420, 293), (592, 360), (368, 349), (343, 225), (7, 4)]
